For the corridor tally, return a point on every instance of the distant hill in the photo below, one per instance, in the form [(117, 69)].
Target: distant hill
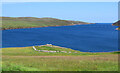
[(31, 22)]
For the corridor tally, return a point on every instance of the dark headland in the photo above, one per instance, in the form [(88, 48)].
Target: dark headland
[(117, 24)]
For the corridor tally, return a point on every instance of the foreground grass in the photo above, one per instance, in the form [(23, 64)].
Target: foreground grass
[(27, 59)]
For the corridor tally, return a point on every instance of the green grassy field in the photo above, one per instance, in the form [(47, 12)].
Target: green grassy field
[(27, 59), (30, 22)]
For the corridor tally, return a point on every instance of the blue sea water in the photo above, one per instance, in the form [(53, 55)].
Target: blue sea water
[(99, 37)]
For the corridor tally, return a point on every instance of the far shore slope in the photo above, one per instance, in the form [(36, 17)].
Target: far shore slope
[(33, 22)]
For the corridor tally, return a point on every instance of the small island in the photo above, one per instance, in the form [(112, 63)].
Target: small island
[(33, 22)]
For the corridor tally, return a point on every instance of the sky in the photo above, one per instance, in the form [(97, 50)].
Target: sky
[(94, 12), (59, 0)]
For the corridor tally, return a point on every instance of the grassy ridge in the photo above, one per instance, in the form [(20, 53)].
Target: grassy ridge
[(27, 59), (30, 22), (29, 51)]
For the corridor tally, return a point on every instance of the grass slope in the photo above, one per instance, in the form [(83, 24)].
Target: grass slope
[(27, 59), (30, 22)]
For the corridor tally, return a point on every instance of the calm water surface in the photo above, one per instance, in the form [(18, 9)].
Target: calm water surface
[(100, 37)]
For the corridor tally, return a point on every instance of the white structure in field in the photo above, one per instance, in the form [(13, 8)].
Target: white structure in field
[(50, 45), (34, 48)]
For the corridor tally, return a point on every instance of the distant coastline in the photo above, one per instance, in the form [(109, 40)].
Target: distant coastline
[(45, 26), (33, 22)]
